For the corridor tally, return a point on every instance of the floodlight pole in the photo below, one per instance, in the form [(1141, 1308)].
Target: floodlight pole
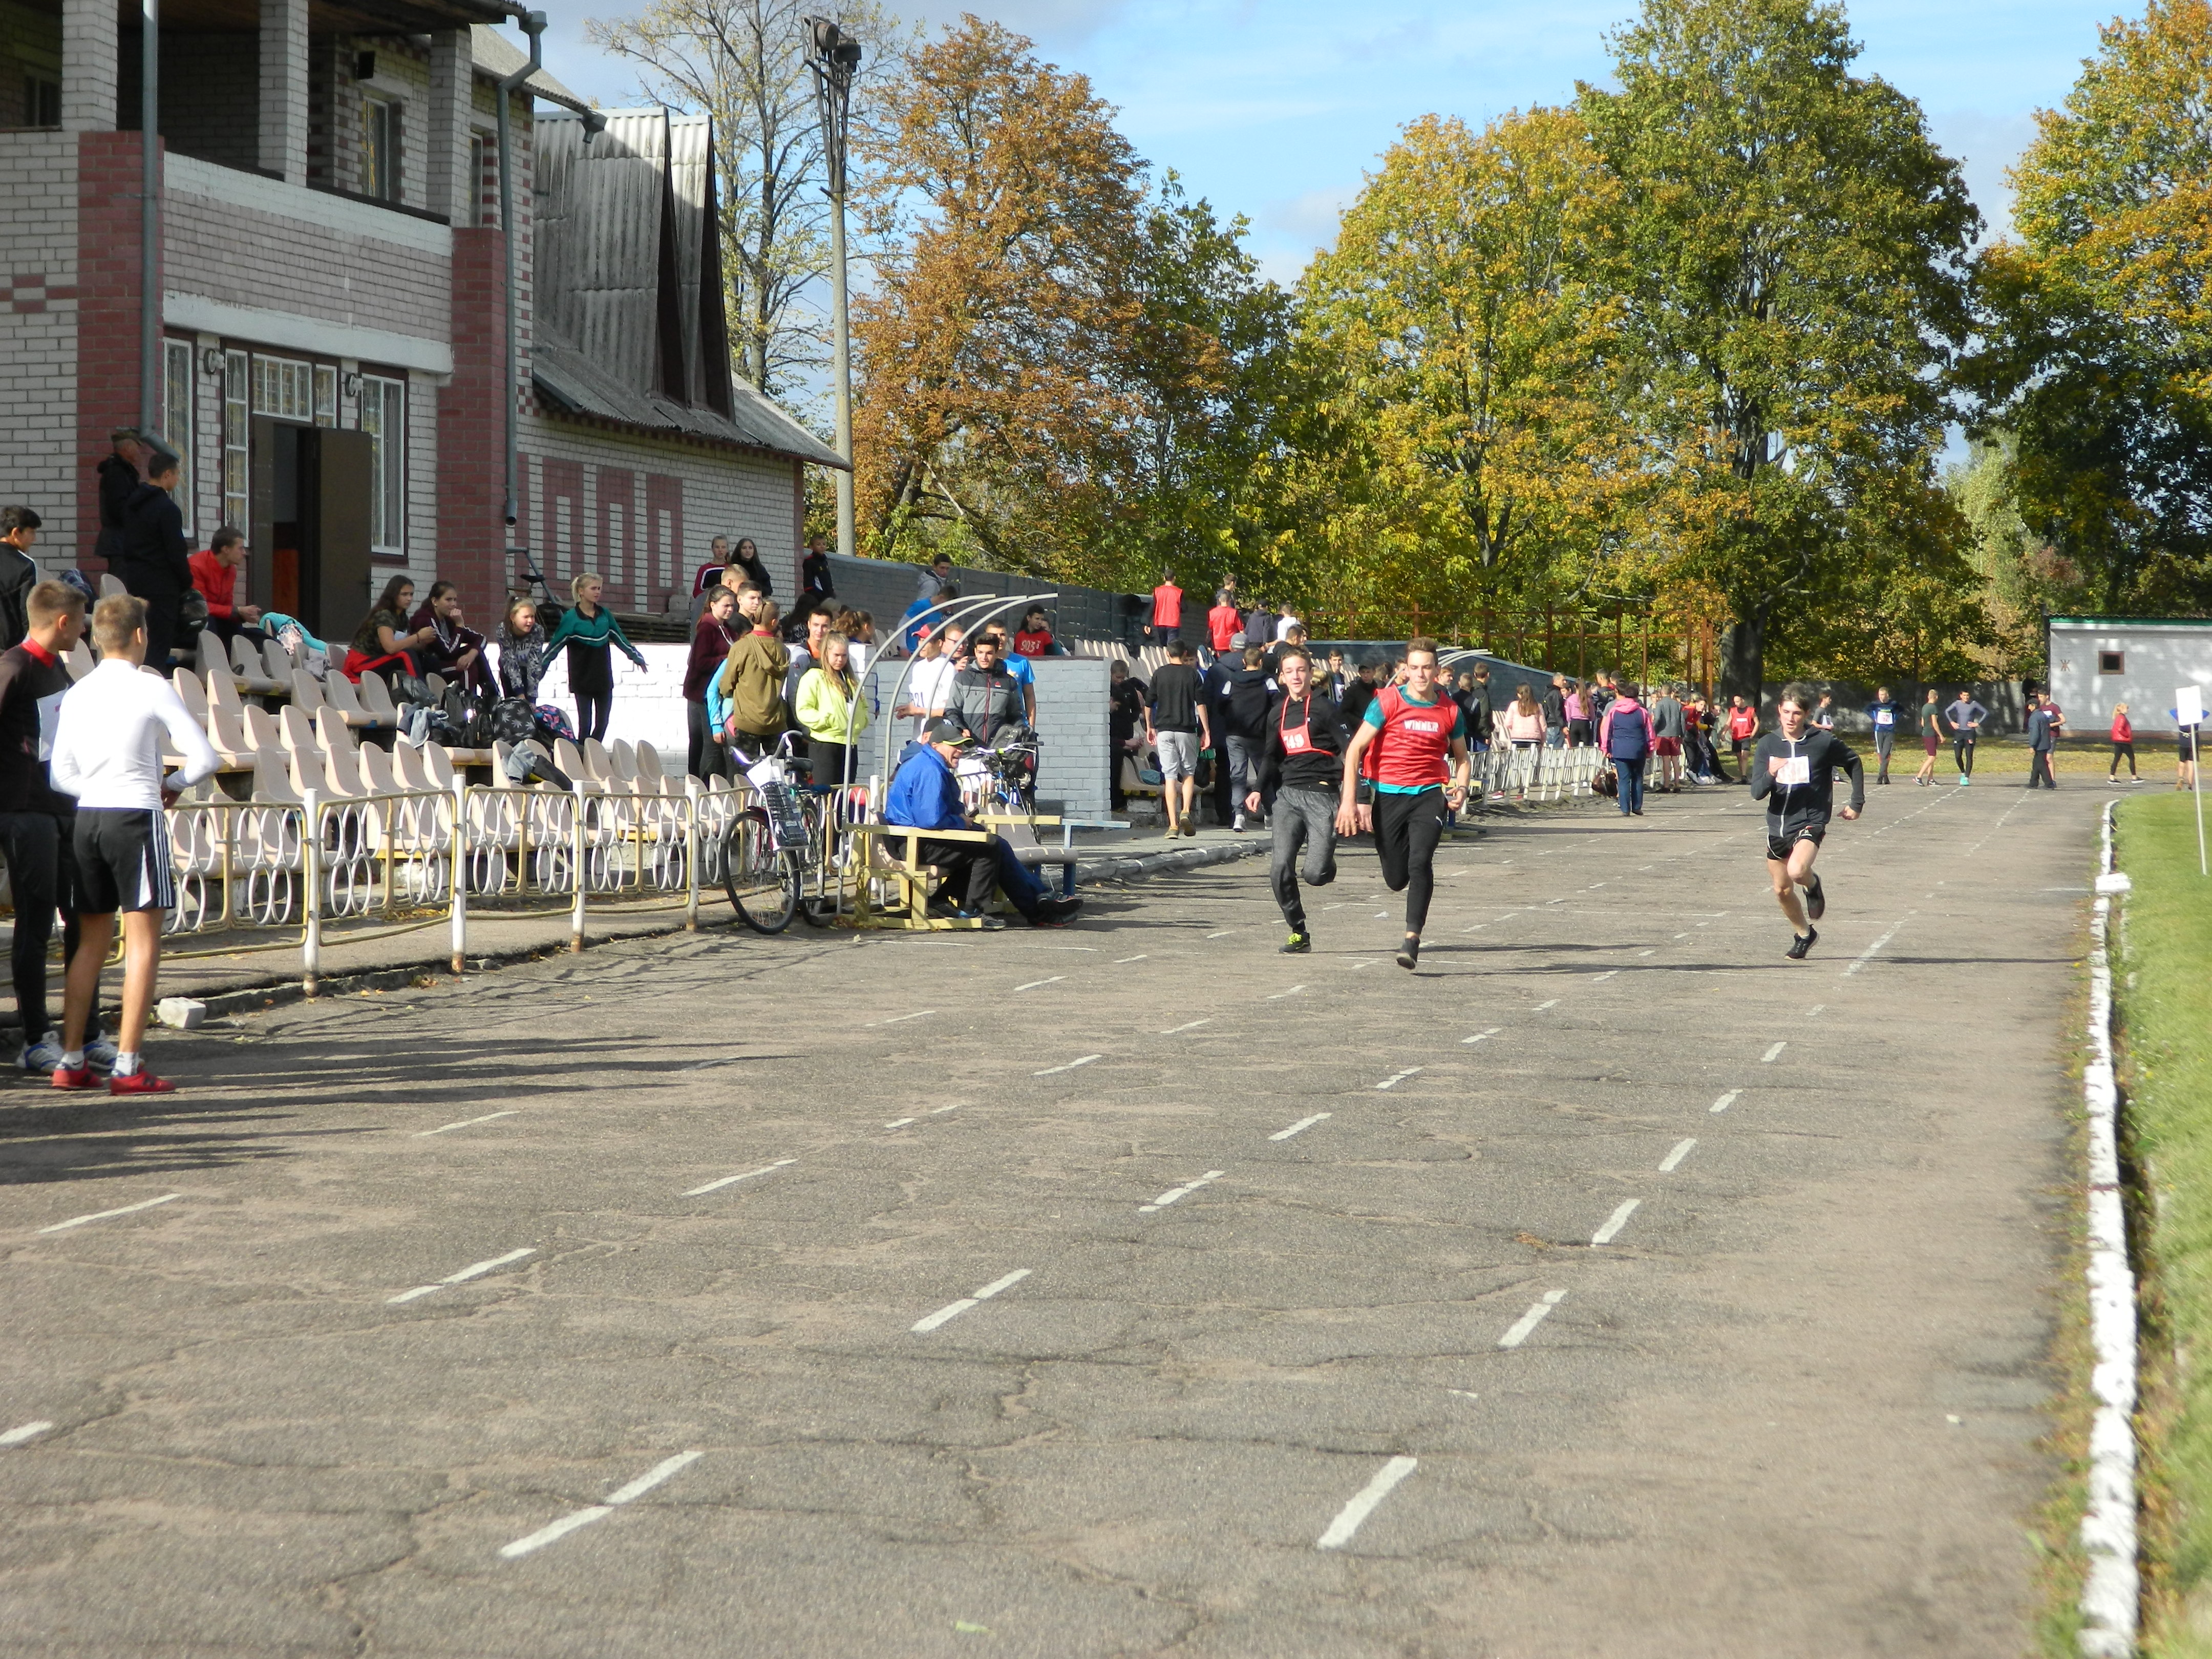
[(834, 58)]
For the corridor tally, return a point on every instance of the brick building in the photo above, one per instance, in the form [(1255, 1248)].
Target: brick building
[(331, 268)]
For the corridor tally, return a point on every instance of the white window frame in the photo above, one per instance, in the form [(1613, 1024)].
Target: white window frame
[(237, 435), (180, 389), (383, 414), (284, 387), (380, 130)]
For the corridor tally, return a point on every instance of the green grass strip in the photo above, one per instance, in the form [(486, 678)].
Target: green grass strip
[(2164, 989)]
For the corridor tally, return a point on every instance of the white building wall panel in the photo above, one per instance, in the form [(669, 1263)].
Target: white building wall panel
[(2156, 659), (38, 335)]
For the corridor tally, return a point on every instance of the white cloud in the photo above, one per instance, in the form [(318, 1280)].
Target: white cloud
[(1986, 147), (1312, 215)]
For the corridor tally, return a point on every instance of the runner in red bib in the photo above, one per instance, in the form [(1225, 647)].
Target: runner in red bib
[(1412, 742)]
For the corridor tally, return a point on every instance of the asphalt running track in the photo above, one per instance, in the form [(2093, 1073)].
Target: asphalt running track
[(1612, 1287)]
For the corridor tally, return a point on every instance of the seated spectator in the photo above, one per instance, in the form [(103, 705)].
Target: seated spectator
[(1034, 639), (814, 575), (746, 564), (215, 572), (385, 643), (925, 795), (984, 700), (925, 613), (859, 628), (19, 572), (745, 700), (455, 650)]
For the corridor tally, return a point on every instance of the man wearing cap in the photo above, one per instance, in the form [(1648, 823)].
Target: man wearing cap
[(925, 795), (155, 564)]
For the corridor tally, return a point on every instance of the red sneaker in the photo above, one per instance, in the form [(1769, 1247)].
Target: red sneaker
[(65, 1077), (140, 1082)]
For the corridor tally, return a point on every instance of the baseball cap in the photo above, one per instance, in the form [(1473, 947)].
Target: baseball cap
[(950, 731)]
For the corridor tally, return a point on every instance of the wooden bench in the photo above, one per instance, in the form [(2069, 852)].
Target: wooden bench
[(909, 909)]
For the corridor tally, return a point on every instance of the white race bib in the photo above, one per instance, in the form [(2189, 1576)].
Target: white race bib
[(1795, 770), (1885, 717), (50, 717)]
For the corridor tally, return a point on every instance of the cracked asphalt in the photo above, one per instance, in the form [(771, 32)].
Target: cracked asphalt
[(1792, 1406)]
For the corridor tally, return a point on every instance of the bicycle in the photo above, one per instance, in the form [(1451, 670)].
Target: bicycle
[(764, 846)]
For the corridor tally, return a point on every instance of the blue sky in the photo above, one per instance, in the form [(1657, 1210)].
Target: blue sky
[(1275, 108)]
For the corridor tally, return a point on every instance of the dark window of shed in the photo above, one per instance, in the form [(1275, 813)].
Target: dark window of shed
[(2111, 662)]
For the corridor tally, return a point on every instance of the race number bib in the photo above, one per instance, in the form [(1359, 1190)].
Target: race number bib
[(1795, 770), (1296, 741), (1884, 717)]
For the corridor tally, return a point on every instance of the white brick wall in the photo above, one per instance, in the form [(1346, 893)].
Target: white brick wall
[(1073, 740), (647, 705), (38, 349)]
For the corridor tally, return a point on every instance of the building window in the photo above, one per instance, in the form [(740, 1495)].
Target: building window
[(237, 425), (326, 395), (283, 388), (380, 149), (384, 418), (177, 422), (477, 211), (2111, 662), (42, 102)]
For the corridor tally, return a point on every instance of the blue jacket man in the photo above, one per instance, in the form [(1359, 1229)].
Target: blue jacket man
[(925, 795)]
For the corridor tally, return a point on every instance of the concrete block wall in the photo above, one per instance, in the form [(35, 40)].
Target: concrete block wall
[(1072, 734), (39, 334)]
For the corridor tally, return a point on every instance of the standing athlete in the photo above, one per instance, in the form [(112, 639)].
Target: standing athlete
[(1795, 770), (1411, 729), (1303, 758), (1965, 716)]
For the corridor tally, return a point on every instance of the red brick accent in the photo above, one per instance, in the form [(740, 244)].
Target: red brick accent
[(664, 500), (559, 481), (107, 356), (626, 579), (473, 540)]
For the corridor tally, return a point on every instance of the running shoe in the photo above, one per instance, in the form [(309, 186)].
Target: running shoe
[(141, 1082), (1409, 953), (44, 1055), (1816, 900), (1965, 778), (1237, 824), (1801, 944), (1297, 944), (1190, 823), (99, 1055), (67, 1077)]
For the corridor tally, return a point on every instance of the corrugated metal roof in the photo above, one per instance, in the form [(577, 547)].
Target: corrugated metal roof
[(498, 56), (629, 307)]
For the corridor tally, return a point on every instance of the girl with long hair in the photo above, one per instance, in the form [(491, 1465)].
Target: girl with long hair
[(589, 631)]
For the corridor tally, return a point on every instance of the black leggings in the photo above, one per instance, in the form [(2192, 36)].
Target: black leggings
[(1962, 752), (2120, 749), (1406, 830), (592, 683), (592, 709), (35, 846)]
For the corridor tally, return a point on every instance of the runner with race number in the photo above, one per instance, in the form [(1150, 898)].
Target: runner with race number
[(1794, 770)]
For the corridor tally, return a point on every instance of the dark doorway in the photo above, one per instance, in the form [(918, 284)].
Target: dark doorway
[(311, 491)]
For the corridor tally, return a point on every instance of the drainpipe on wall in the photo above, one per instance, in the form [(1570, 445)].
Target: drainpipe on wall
[(150, 219), (533, 25)]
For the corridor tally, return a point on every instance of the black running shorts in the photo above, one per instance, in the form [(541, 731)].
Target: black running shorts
[(1778, 847), (122, 859)]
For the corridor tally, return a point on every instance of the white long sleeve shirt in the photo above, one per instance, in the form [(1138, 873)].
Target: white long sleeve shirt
[(108, 743)]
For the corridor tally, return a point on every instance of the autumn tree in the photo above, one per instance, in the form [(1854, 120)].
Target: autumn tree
[(744, 63), (1790, 257), (2098, 365), (1464, 452), (996, 404)]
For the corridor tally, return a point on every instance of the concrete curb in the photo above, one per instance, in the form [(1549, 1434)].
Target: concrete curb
[(1088, 871), (2112, 1595)]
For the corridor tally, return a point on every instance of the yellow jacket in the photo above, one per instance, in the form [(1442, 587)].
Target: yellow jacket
[(824, 709)]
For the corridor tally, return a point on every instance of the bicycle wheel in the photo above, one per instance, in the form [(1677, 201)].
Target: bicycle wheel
[(762, 883)]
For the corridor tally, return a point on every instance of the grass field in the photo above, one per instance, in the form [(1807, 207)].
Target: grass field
[(2165, 991)]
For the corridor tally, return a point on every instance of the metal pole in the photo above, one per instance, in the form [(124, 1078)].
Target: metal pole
[(150, 219), (459, 842), (311, 867), (533, 25), (959, 611), (690, 855), (842, 354), (2197, 788), (576, 866)]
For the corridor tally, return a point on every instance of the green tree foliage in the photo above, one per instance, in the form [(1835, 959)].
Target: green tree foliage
[(2022, 578), (1791, 256), (1460, 453), (2098, 359)]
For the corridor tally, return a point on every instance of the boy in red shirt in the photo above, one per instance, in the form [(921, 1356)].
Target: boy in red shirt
[(1035, 639), (215, 572)]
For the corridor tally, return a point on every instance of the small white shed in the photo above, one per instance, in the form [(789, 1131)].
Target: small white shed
[(2097, 661)]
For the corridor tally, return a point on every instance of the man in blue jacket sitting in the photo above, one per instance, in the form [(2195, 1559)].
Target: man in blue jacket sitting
[(925, 795)]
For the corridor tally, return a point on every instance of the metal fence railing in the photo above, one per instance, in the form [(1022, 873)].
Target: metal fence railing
[(1537, 772)]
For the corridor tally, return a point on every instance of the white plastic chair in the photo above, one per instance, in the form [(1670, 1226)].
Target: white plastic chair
[(111, 585), (80, 660), (306, 754), (376, 701)]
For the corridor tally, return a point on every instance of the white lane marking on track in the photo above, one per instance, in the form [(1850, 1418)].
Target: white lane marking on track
[(1191, 1026), (898, 1123), (1223, 933), (464, 1123), (1397, 1078), (1653, 953), (474, 1270), (766, 1169), (1725, 1101), (1483, 1036), (1517, 1333), (1070, 1066), (1174, 1195), (1370, 963), (1608, 974), (1379, 914), (1338, 905), (1673, 1160), (1363, 1504), (1615, 1222), (584, 1517), (17, 1436), (1540, 1007), (1681, 936), (1279, 995), (102, 1215), (1033, 983), (1464, 1393), (919, 1013), (1815, 1009), (1302, 1125), (1867, 955), (954, 1309), (1773, 1053), (1139, 957)]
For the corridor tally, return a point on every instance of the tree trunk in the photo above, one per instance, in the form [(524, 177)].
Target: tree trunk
[(1744, 656)]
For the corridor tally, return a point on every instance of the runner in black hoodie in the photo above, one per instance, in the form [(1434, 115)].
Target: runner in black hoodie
[(1303, 754), (1795, 770)]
